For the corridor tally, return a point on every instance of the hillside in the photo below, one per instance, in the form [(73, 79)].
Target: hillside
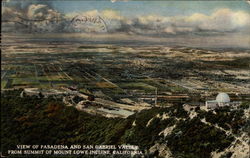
[(160, 132)]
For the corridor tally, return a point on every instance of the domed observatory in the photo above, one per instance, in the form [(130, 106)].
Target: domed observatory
[(222, 99)]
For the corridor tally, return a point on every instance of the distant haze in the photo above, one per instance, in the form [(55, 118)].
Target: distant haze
[(229, 41), (196, 23)]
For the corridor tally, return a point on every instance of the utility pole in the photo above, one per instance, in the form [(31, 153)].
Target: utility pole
[(155, 97)]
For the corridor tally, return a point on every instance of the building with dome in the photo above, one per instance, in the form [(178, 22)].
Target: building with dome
[(222, 99)]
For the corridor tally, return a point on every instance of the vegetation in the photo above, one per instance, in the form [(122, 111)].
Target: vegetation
[(226, 118), (138, 85), (33, 120), (245, 105), (194, 139), (77, 99), (146, 135)]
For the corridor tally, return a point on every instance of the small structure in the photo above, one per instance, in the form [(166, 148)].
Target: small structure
[(73, 88), (42, 92), (222, 99)]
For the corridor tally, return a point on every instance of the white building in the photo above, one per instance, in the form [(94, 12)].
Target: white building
[(222, 99)]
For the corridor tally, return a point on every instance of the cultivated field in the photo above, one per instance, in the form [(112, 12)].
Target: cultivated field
[(116, 72)]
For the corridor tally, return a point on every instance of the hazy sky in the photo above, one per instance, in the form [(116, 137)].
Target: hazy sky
[(227, 22), (164, 8)]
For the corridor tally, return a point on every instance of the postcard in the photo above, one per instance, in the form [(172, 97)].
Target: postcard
[(125, 78)]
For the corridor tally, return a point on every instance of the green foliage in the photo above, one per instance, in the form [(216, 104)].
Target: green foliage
[(225, 118), (34, 120), (242, 63), (192, 138), (77, 99), (145, 136), (245, 105)]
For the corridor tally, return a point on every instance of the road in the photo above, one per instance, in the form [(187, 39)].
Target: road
[(118, 105)]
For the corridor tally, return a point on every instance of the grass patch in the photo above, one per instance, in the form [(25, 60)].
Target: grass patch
[(54, 77), (3, 84), (105, 85), (23, 81), (137, 85)]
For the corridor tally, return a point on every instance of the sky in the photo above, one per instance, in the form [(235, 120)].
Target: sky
[(228, 20), (164, 8)]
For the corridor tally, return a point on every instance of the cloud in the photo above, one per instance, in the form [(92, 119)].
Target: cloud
[(32, 18), (10, 14), (42, 11), (221, 21), (111, 14)]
